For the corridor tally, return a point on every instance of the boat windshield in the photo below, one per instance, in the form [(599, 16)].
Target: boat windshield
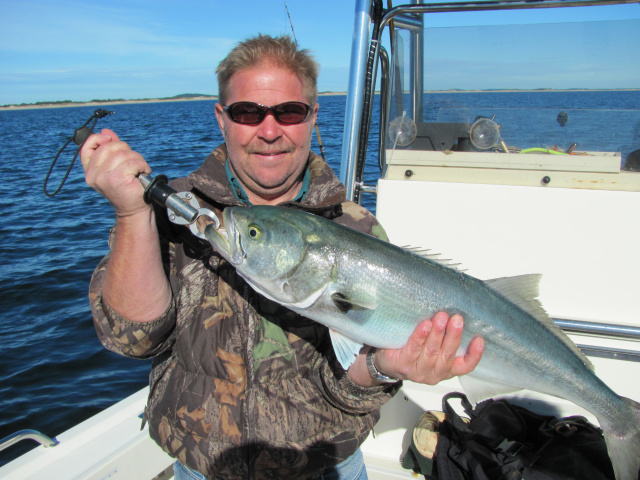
[(557, 82)]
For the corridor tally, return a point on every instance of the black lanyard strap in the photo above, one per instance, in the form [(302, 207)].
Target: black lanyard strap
[(79, 138)]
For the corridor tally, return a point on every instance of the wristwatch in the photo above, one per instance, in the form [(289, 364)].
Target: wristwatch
[(374, 372)]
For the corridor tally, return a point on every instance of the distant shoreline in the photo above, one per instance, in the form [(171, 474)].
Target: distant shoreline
[(214, 97), (35, 106)]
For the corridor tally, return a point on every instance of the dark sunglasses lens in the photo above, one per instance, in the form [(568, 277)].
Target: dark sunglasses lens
[(291, 112), (247, 113)]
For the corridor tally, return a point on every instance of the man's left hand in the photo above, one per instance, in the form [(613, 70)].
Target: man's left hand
[(430, 354)]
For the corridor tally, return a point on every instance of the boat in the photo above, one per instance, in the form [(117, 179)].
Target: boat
[(502, 189)]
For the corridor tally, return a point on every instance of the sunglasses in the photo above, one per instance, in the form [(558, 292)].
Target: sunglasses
[(250, 113)]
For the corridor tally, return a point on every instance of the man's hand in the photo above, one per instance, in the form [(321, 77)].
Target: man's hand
[(135, 284), (430, 354), (111, 168), (428, 357)]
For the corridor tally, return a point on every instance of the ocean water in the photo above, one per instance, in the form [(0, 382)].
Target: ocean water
[(53, 371)]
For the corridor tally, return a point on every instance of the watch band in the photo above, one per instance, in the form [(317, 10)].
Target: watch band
[(373, 370)]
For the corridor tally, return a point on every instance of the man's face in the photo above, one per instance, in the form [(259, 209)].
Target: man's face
[(267, 158)]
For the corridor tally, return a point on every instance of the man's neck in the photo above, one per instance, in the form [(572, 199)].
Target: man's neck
[(274, 199), (296, 192)]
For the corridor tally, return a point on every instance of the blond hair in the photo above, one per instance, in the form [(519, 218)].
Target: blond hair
[(264, 49)]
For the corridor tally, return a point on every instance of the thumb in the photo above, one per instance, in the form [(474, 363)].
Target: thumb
[(109, 133), (93, 142)]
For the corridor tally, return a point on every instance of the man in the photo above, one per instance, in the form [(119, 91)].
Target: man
[(242, 387)]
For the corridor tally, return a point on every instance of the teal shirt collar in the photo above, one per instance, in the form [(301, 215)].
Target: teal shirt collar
[(241, 195)]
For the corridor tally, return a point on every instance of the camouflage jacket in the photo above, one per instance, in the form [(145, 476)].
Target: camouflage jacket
[(242, 387)]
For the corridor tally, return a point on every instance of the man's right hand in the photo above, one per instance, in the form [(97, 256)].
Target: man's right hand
[(111, 168), (135, 284)]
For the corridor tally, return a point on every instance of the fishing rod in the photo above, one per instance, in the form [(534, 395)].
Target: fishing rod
[(183, 208), (316, 125)]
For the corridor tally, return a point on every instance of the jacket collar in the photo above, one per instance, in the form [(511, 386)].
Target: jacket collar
[(324, 196)]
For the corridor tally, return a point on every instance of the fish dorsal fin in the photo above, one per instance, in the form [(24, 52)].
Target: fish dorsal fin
[(345, 348), (523, 290), (434, 257)]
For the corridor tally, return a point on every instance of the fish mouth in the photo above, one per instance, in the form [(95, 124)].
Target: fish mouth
[(238, 253), (226, 239)]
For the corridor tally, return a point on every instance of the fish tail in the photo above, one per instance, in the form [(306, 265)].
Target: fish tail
[(623, 442)]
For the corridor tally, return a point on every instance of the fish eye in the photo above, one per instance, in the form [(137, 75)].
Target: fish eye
[(254, 232)]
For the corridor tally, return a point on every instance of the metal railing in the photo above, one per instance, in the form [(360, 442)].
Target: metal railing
[(624, 332), (593, 328), (41, 438)]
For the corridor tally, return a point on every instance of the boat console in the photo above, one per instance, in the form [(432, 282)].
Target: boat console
[(498, 137)]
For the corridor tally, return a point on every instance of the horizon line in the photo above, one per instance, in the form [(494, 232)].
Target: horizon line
[(193, 96)]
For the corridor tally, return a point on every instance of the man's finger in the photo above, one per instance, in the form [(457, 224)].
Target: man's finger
[(465, 364), (420, 335), (433, 343), (91, 145), (110, 133), (452, 337)]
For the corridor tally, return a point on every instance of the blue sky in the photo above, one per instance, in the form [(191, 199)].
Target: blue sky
[(78, 50)]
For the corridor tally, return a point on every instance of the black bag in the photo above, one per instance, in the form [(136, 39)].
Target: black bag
[(507, 442)]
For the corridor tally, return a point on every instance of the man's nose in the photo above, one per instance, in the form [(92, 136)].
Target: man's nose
[(269, 128)]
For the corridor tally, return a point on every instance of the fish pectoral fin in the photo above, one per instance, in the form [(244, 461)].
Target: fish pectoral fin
[(478, 389), (346, 348), (346, 304)]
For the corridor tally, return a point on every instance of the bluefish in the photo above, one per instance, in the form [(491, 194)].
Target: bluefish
[(371, 292)]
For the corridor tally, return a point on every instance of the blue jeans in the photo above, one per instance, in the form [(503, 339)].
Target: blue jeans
[(351, 469), (180, 472)]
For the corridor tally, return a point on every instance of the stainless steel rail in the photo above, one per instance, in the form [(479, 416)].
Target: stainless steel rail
[(491, 5), (592, 328), (355, 100), (14, 438), (611, 353), (607, 330)]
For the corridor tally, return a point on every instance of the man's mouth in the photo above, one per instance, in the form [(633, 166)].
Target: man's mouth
[(269, 154), (271, 150)]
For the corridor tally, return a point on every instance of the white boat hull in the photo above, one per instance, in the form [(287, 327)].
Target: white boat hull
[(111, 445)]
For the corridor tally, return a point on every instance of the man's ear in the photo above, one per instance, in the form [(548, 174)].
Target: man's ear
[(220, 117)]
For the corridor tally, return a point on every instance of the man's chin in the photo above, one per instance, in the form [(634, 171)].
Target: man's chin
[(280, 192)]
